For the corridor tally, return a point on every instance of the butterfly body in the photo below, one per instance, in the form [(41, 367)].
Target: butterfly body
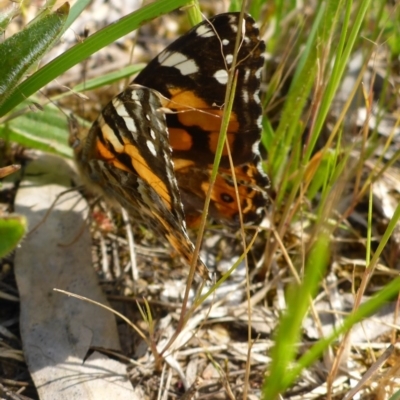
[(158, 164)]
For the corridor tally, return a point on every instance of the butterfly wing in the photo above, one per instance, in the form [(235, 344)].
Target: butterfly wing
[(127, 154), (191, 74)]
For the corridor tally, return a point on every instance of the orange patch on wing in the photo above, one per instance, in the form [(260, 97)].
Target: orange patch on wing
[(139, 164), (193, 221), (144, 171), (194, 111), (221, 187), (180, 163), (104, 153), (228, 210), (209, 120), (184, 99), (179, 139)]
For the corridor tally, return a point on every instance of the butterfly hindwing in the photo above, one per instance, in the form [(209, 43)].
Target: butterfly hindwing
[(127, 153)]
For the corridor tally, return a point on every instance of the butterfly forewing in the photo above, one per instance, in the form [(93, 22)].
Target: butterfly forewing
[(192, 74)]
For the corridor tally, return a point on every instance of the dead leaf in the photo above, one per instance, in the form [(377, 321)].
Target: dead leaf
[(57, 330)]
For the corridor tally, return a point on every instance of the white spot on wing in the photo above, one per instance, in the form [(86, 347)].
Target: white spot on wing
[(135, 95), (256, 148), (229, 59), (130, 124), (151, 147), (188, 67), (152, 134), (205, 31), (225, 42), (221, 76), (123, 113), (161, 122), (178, 60), (246, 39), (232, 18), (258, 73), (245, 96)]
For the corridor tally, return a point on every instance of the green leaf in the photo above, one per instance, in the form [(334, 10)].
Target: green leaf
[(12, 230), (75, 12), (289, 330), (45, 129), (396, 396), (107, 79), (89, 46), (19, 52)]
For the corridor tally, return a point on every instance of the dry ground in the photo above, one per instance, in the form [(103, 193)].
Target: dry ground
[(211, 354)]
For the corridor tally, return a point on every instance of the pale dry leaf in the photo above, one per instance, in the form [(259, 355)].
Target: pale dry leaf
[(57, 330)]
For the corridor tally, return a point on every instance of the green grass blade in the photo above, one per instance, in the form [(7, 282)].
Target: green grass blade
[(289, 330), (342, 56), (82, 50), (194, 13), (296, 100), (74, 13), (108, 79), (366, 309)]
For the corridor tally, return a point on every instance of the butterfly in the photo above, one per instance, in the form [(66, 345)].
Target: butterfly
[(152, 148)]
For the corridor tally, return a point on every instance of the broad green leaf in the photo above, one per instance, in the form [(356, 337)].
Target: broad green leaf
[(12, 230), (45, 129), (19, 52)]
